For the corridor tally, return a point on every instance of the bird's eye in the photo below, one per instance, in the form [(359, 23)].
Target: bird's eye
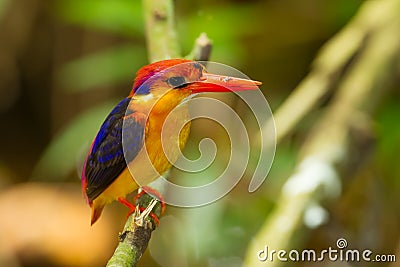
[(176, 81)]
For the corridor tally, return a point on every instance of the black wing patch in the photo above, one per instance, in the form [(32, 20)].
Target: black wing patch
[(106, 161)]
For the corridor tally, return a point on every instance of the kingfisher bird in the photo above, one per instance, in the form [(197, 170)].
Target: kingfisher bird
[(130, 137)]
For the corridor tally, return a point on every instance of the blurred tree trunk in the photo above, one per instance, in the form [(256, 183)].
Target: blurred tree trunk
[(162, 43)]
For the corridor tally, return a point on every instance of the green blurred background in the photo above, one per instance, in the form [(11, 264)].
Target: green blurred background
[(65, 63)]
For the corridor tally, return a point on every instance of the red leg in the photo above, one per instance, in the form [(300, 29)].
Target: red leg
[(132, 207), (152, 215), (128, 204)]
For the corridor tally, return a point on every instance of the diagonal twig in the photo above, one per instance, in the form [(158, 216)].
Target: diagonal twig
[(328, 146)]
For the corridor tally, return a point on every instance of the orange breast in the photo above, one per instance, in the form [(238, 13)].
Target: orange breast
[(166, 137)]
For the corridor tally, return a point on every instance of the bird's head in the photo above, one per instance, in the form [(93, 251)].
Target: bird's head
[(169, 82)]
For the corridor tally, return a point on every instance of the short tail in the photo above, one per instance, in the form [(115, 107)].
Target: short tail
[(97, 209)]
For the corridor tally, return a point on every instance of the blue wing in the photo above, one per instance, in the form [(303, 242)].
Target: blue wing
[(106, 160)]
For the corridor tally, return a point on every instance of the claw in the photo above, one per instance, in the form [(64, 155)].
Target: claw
[(154, 193), (145, 211)]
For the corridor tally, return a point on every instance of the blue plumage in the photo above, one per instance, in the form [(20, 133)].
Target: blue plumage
[(106, 160)]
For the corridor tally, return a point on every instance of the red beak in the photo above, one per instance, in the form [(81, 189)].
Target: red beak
[(219, 83)]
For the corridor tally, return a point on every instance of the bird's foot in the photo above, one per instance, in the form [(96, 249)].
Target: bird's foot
[(136, 208), (154, 193)]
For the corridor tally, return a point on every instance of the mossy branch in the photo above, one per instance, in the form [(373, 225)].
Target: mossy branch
[(162, 41), (136, 235)]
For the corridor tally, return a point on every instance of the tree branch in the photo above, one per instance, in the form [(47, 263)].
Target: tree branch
[(202, 48), (134, 239), (162, 42)]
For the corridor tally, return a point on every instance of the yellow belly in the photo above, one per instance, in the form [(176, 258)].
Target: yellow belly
[(140, 169)]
